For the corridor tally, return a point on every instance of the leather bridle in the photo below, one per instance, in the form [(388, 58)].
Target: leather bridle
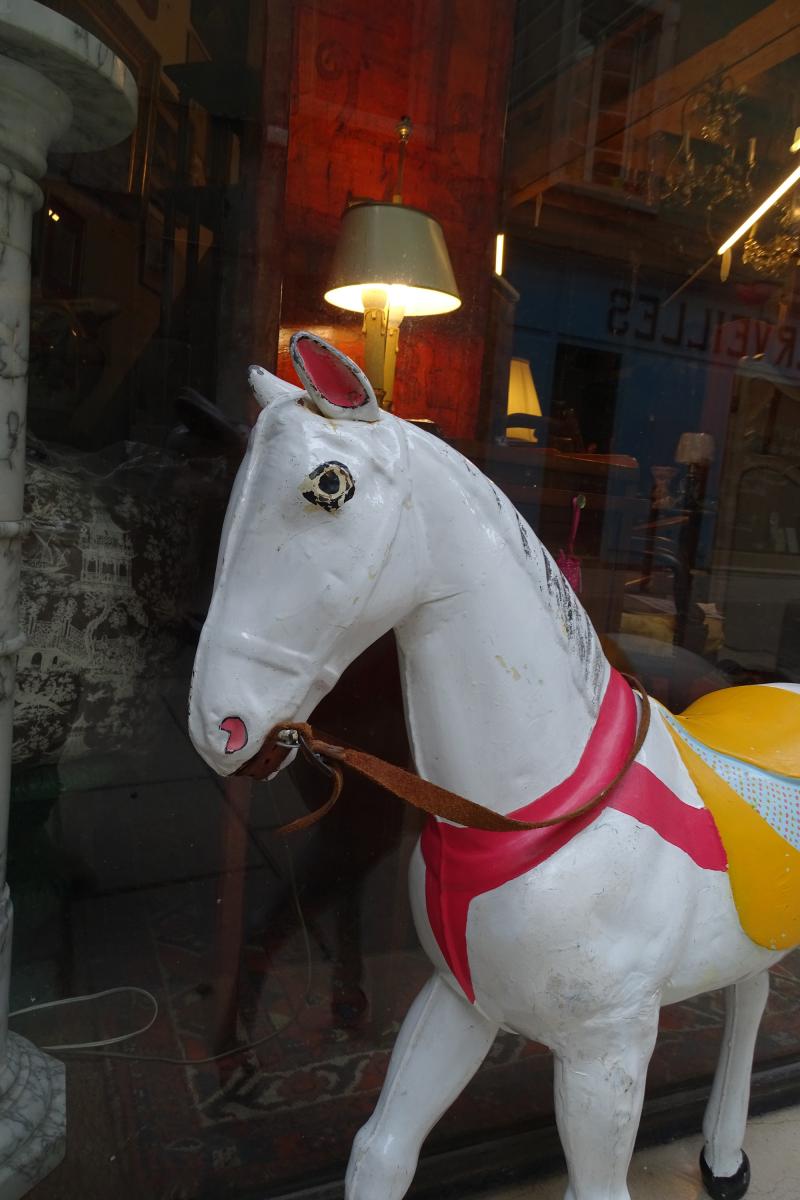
[(407, 786)]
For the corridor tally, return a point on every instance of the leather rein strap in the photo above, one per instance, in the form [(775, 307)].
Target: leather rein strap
[(405, 785)]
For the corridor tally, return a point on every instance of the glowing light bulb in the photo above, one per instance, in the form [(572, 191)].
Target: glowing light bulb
[(499, 253)]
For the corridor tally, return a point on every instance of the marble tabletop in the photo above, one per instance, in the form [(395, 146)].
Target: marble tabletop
[(102, 89)]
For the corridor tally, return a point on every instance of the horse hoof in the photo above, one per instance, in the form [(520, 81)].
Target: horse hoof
[(725, 1187)]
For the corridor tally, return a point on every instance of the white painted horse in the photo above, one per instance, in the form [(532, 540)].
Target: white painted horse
[(346, 522)]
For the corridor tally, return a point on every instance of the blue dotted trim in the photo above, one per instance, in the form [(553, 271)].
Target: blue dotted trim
[(776, 798)]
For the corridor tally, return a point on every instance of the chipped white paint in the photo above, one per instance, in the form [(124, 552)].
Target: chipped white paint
[(503, 677), (59, 87)]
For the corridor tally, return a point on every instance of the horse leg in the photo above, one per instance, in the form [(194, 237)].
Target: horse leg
[(599, 1088), (725, 1168), (440, 1046)]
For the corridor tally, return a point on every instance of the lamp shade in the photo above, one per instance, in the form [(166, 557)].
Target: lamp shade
[(694, 448), (522, 398), (398, 249), (522, 394)]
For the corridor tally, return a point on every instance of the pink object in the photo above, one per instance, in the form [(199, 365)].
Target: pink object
[(463, 863), (568, 562), (328, 372), (237, 734)]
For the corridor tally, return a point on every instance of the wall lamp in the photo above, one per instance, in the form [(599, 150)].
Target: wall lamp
[(390, 262)]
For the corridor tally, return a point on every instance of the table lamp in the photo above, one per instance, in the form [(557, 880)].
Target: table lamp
[(523, 399), (694, 448), (391, 262), (694, 452)]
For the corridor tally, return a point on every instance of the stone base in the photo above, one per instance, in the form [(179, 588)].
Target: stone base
[(33, 1117)]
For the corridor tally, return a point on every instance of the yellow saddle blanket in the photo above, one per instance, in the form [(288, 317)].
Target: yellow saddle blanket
[(741, 747)]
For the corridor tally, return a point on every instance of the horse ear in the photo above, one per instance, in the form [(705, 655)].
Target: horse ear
[(338, 387), (267, 387)]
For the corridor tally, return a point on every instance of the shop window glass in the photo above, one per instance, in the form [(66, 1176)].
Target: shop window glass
[(615, 145)]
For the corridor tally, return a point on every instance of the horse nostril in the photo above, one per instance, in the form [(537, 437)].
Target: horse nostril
[(237, 734)]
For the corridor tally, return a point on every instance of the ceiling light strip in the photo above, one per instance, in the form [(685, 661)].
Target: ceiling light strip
[(781, 190)]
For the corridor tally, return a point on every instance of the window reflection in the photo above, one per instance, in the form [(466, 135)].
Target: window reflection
[(615, 146)]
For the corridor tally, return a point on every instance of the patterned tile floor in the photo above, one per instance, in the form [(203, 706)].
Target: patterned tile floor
[(671, 1173)]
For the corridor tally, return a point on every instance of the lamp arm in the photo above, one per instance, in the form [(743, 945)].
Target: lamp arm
[(395, 318), (375, 301)]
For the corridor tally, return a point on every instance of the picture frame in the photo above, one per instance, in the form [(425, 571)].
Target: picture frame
[(161, 178), (152, 250), (162, 165)]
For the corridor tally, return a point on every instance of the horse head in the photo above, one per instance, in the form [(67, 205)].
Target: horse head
[(314, 563)]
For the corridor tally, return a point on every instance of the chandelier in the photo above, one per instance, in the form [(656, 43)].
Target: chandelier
[(782, 209), (723, 169), (772, 255)]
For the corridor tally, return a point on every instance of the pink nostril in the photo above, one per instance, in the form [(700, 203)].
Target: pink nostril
[(237, 734)]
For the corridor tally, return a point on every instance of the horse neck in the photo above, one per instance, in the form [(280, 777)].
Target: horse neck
[(502, 671)]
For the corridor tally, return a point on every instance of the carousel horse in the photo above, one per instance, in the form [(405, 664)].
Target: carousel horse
[(629, 866)]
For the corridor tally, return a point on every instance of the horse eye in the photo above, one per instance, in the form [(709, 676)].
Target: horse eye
[(330, 485)]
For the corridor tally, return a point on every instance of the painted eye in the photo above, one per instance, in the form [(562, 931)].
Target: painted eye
[(330, 485)]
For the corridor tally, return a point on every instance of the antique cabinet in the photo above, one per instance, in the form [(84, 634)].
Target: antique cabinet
[(756, 554)]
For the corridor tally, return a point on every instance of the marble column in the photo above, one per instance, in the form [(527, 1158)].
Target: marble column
[(60, 89)]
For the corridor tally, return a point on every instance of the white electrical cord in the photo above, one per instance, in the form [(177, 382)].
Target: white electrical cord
[(89, 1049), (123, 1037), (94, 1049)]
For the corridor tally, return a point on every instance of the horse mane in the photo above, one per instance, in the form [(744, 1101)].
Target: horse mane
[(571, 622)]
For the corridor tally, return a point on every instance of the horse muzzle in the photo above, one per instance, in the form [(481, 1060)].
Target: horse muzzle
[(259, 681)]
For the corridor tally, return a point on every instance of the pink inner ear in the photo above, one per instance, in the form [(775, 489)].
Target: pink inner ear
[(333, 378)]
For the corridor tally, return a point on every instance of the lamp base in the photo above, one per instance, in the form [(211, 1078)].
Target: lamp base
[(33, 1117)]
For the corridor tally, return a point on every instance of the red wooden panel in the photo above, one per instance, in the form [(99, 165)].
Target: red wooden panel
[(359, 67)]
